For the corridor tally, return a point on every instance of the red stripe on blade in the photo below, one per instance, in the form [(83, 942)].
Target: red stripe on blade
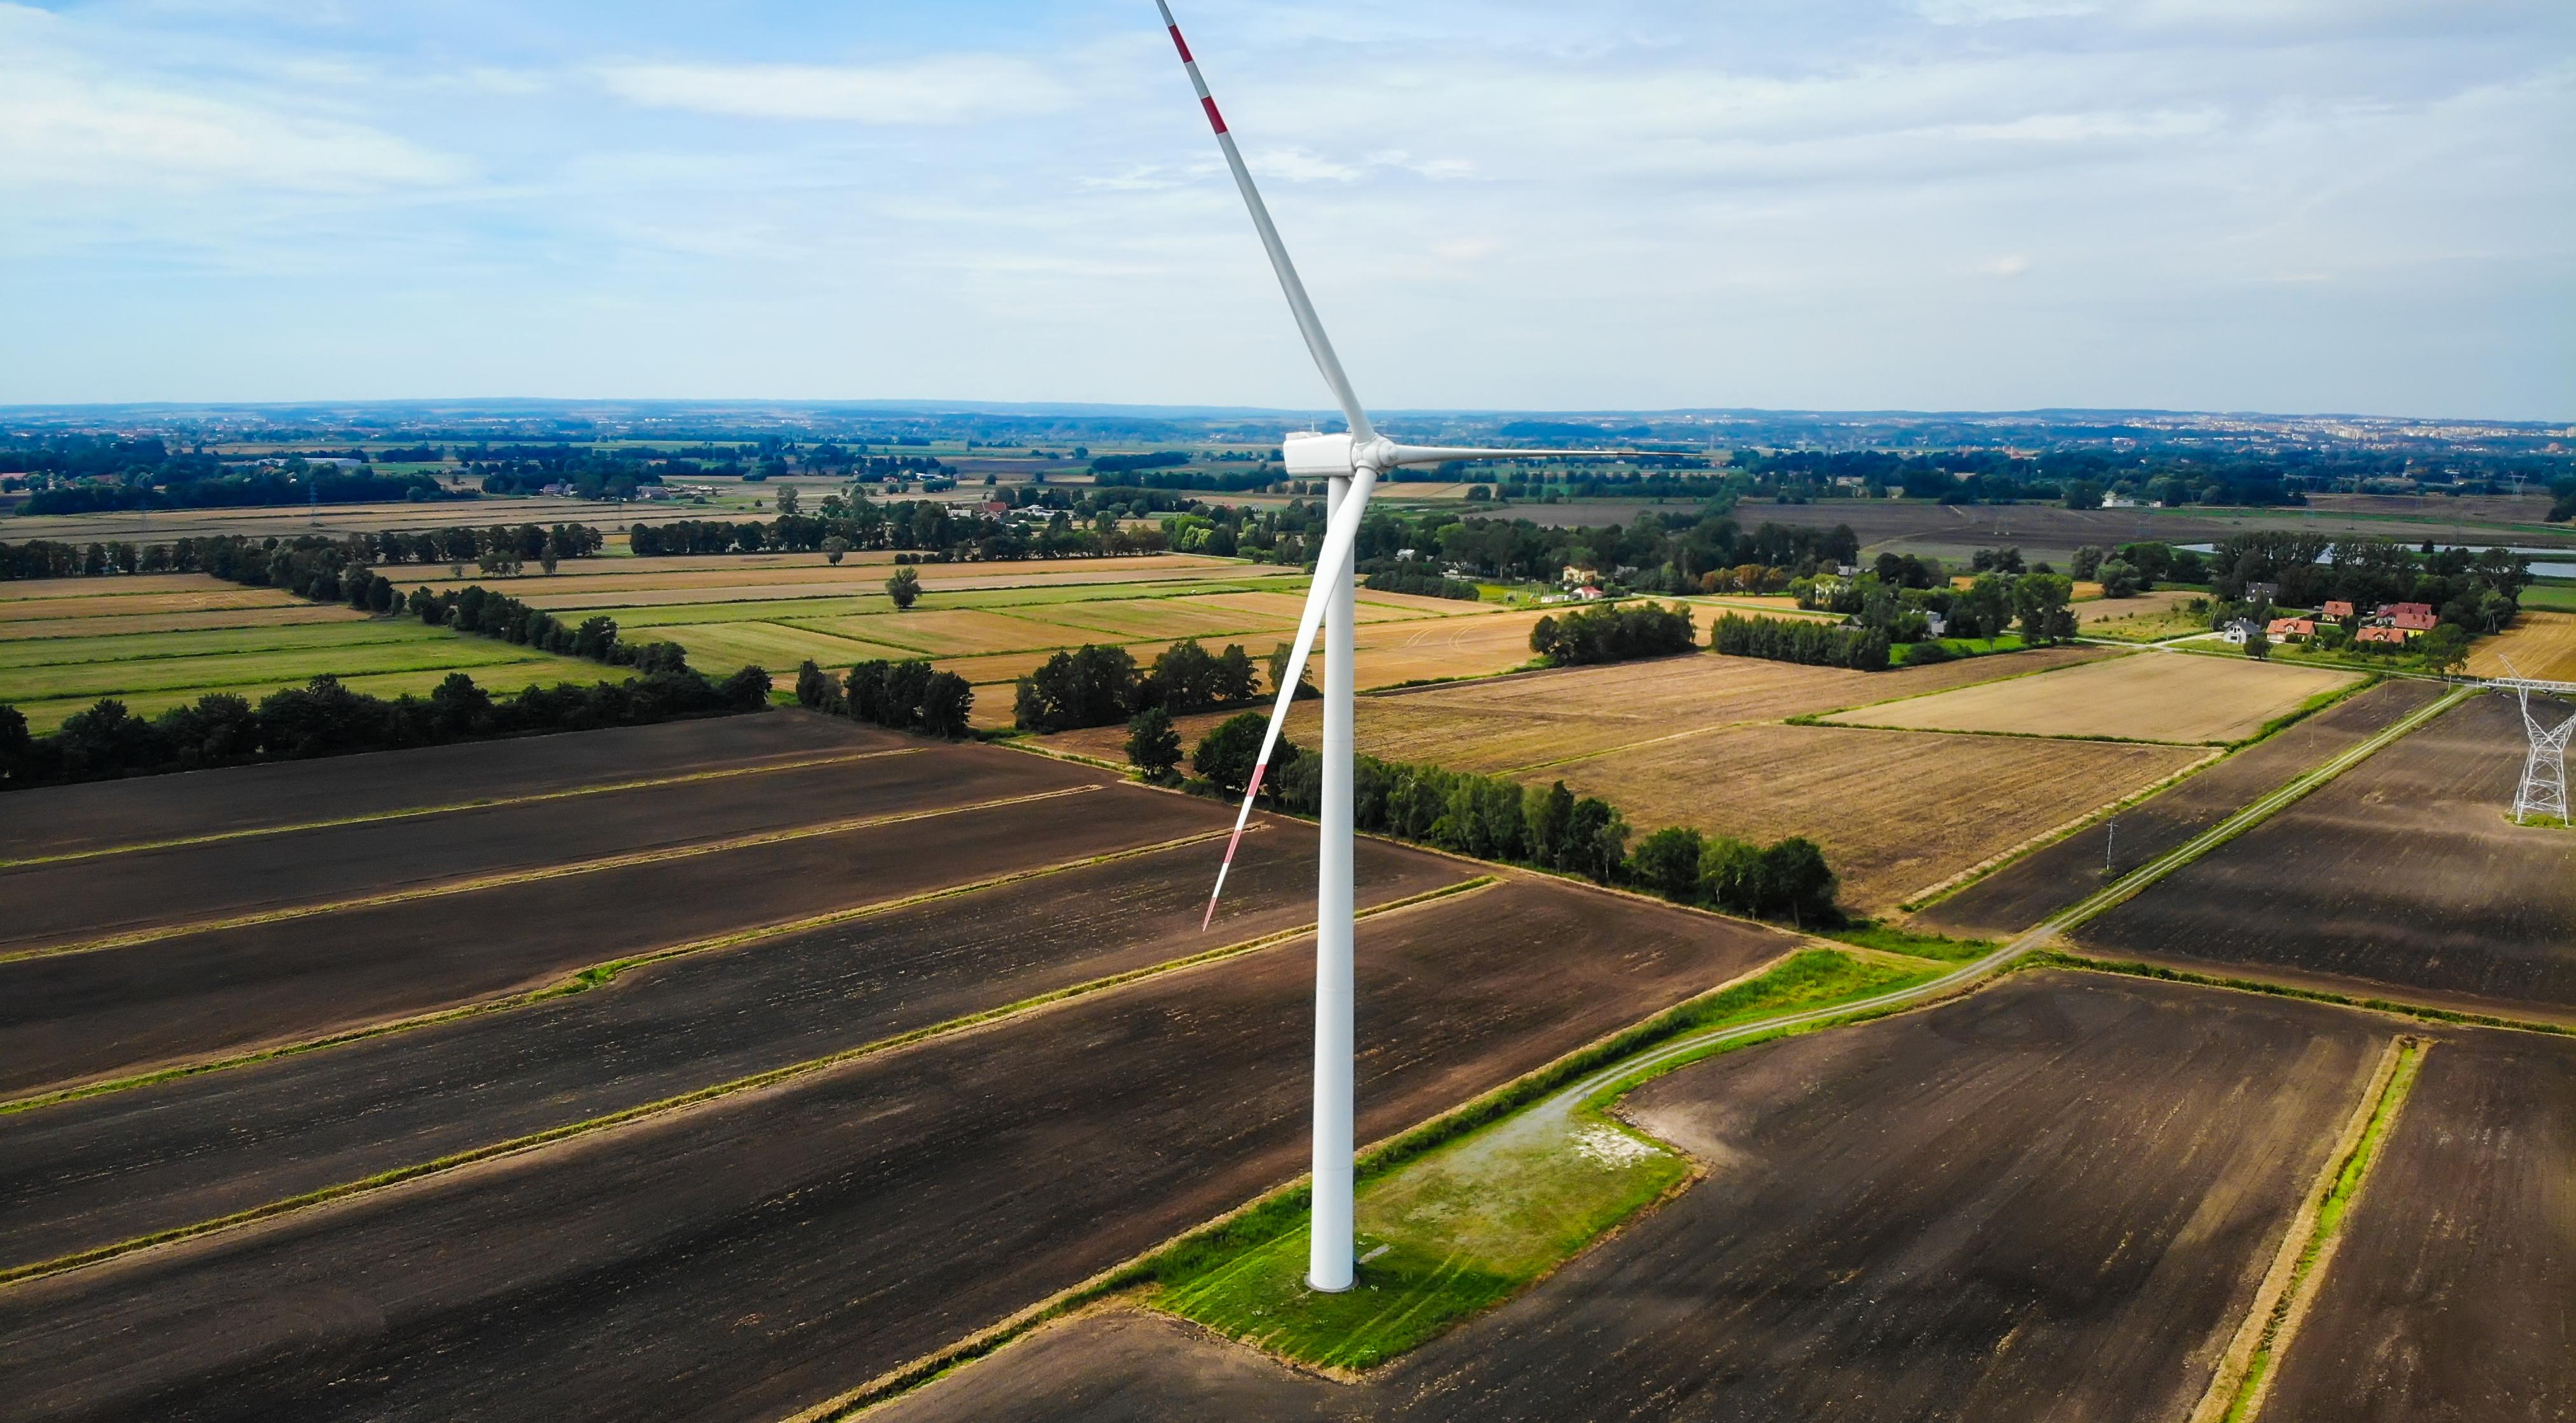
[(1180, 44), (1214, 117)]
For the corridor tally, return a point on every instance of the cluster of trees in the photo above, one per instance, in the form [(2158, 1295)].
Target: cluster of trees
[(1614, 633), (1130, 464), (2000, 599), (903, 696), (2563, 506), (480, 611), (2131, 569), (327, 719), (2077, 478), (1802, 640), (1422, 583), (2478, 592), (1096, 685), (1497, 818), (926, 528)]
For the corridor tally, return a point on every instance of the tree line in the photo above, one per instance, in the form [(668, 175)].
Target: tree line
[(484, 613), (325, 718), (1497, 818), (1101, 685), (1800, 640), (497, 548), (1422, 583), (1613, 633), (901, 696)]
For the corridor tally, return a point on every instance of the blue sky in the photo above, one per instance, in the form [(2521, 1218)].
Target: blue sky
[(2288, 205)]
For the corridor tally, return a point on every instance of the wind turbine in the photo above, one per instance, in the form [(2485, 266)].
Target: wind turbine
[(1351, 464)]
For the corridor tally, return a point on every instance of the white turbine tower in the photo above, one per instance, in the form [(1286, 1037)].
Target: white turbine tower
[(1351, 463)]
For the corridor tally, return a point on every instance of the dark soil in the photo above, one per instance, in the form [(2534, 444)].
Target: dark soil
[(2452, 1296), (80, 900), (2403, 879), (109, 1168), (79, 1016), (2053, 1199), (58, 819), (2026, 892), (760, 1255)]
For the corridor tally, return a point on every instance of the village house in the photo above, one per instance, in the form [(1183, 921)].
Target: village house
[(2413, 617), (2338, 610), (2394, 636), (2236, 633), (2299, 629)]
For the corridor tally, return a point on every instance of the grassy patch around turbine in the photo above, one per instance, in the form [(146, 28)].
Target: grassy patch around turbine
[(1453, 1221)]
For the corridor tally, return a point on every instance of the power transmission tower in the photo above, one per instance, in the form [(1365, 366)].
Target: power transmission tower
[(2544, 772)]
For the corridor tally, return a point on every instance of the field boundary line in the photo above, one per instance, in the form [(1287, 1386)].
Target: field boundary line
[(590, 976), (2242, 1382), (443, 888), (700, 1096), (489, 802), (1925, 898)]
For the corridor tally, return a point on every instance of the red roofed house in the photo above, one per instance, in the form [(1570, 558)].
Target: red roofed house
[(2337, 609), (2291, 627), (2399, 636), (2414, 617)]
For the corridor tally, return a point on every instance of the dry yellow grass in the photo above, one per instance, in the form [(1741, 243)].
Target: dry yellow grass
[(2145, 605), (1896, 812), (42, 588), (132, 623), (2145, 696), (719, 648), (1367, 607), (211, 597), (1123, 619), (2542, 645), (1514, 723), (944, 632)]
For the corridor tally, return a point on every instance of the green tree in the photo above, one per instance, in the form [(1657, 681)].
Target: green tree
[(1596, 840), (1667, 862), (2258, 646), (1153, 743), (1305, 675), (1797, 881), (787, 500), (1987, 606), (813, 689), (947, 705), (2088, 560), (904, 587), (834, 547), (1548, 814), (2041, 600), (1730, 875), (1226, 756), (2120, 579), (2445, 649)]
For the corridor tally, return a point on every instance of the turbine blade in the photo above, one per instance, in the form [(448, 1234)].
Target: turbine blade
[(1311, 326), (1443, 454), (1339, 534)]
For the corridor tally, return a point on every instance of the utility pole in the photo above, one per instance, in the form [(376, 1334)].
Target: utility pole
[(2109, 842)]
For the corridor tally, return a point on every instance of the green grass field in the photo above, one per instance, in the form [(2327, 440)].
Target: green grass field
[(2550, 597), (1452, 1230)]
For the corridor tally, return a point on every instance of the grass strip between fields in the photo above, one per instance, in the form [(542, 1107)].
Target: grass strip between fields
[(1628, 1057), (451, 807), (160, 932), (2243, 1378), (596, 975), (38, 1269)]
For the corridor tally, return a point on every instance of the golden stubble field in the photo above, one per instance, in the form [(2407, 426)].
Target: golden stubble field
[(1516, 723), (1897, 812), (2539, 645), (2143, 696)]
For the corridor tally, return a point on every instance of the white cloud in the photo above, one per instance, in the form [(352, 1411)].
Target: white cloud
[(2006, 266), (948, 89)]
